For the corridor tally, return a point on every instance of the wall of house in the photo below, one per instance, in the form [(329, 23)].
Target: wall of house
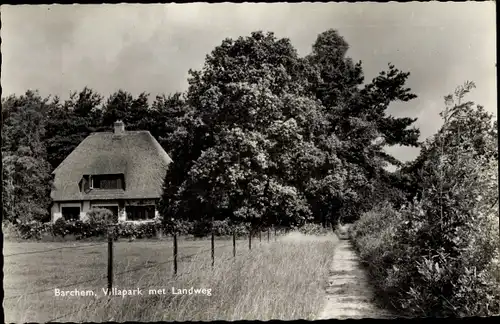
[(86, 206), (85, 209), (55, 212)]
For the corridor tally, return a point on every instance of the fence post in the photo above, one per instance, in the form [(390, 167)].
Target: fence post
[(110, 260), (234, 244), (260, 235), (250, 240), (268, 235), (175, 253), (275, 238), (213, 248)]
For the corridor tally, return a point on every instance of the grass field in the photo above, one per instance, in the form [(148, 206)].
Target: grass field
[(276, 280)]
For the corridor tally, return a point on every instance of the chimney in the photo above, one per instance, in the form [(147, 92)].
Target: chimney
[(119, 127)]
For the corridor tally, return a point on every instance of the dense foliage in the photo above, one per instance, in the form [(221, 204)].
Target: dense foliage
[(313, 229), (439, 255), (261, 136), (26, 177), (268, 137)]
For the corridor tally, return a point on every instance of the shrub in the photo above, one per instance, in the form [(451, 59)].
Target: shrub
[(10, 231), (32, 229), (422, 278), (138, 230), (79, 229), (241, 229), (178, 226), (225, 228), (96, 223), (101, 216), (94, 226), (203, 228), (313, 229), (59, 227), (374, 239), (439, 255), (147, 230), (222, 228)]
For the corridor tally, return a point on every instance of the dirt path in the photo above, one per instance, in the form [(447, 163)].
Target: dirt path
[(348, 294)]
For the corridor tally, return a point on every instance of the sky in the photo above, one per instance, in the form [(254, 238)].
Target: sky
[(57, 49)]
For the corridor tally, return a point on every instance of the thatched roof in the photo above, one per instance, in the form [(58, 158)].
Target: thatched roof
[(136, 154)]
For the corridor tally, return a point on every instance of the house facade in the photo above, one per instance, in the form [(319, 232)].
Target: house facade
[(122, 171)]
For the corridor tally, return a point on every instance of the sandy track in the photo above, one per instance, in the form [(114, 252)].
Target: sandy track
[(348, 294)]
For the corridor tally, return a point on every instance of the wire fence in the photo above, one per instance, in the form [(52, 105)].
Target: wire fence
[(173, 279), (56, 249), (111, 275)]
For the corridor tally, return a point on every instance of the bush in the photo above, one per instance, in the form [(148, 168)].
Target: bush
[(10, 231), (138, 230), (96, 225), (79, 229), (422, 278), (181, 227), (374, 240), (313, 229), (59, 227), (439, 255), (97, 221), (31, 230), (241, 229), (222, 228), (101, 216), (203, 228), (225, 228)]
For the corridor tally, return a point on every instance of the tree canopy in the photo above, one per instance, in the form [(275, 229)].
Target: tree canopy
[(261, 135), (275, 138)]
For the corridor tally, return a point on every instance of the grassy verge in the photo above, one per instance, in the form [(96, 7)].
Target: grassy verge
[(276, 280)]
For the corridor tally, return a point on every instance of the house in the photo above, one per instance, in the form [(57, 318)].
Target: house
[(122, 171)]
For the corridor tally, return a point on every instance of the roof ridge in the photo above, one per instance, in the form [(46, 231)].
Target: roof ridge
[(125, 133)]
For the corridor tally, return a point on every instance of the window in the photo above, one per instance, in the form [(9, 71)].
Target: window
[(71, 213), (107, 181), (136, 213)]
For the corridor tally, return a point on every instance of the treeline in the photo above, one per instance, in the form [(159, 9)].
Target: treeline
[(439, 256), (261, 136), (39, 133)]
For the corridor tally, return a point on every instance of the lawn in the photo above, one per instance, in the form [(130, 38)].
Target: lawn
[(282, 280)]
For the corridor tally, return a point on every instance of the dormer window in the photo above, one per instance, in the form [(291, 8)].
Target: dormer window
[(107, 181), (103, 181)]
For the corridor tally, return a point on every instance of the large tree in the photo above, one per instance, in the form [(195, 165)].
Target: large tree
[(166, 120), (68, 123), (357, 115), (26, 179), (244, 139), (122, 105), (272, 137)]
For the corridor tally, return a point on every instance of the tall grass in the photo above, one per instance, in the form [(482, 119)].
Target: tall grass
[(278, 280)]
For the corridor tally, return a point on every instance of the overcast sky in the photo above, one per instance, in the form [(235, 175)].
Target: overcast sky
[(57, 49)]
